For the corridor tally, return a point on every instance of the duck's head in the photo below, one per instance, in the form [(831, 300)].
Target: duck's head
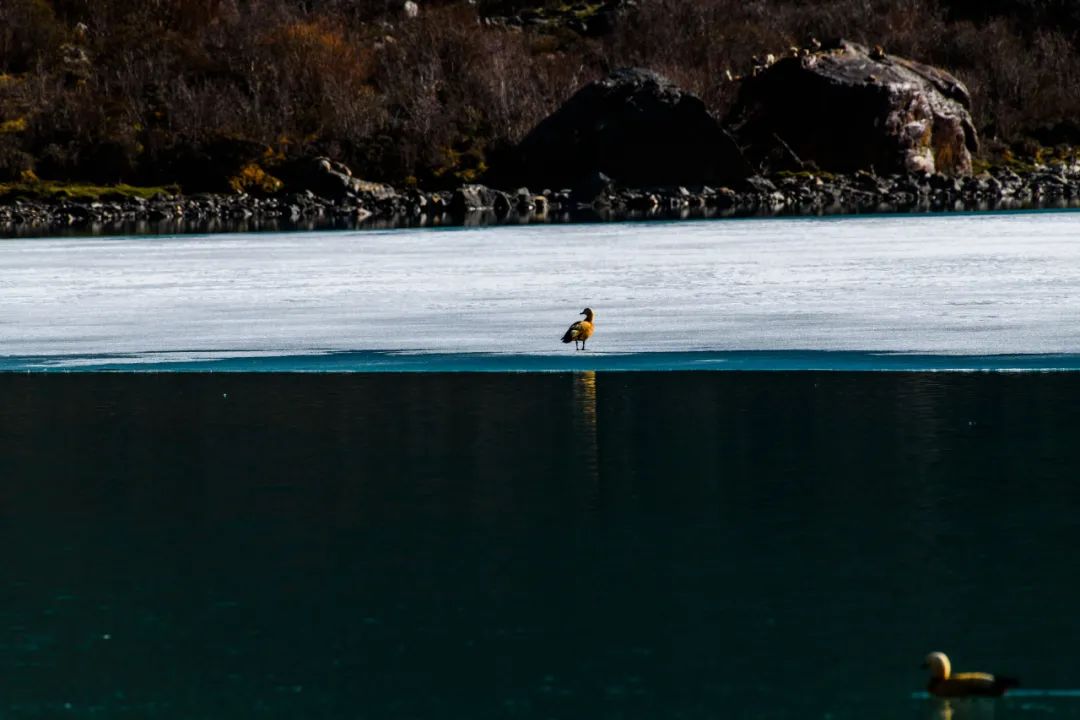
[(588, 313), (938, 665)]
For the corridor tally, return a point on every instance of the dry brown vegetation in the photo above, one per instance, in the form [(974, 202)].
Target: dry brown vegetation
[(197, 91)]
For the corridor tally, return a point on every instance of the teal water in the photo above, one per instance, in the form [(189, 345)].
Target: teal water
[(426, 362), (568, 545)]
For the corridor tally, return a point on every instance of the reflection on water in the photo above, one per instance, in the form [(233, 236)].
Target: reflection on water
[(963, 709), (483, 218), (626, 545), (585, 422)]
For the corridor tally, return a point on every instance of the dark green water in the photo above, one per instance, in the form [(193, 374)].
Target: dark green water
[(622, 545)]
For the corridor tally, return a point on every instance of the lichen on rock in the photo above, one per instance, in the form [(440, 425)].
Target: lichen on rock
[(846, 108)]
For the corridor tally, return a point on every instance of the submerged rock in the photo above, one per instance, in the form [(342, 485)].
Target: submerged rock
[(847, 108)]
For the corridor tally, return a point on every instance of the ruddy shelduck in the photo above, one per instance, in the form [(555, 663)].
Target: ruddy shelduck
[(943, 683), (582, 330)]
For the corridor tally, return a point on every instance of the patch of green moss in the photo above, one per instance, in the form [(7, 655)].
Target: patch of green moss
[(582, 11), (253, 179), (1060, 155), (50, 190), (473, 174), (16, 125), (1026, 156), (464, 164), (1016, 164)]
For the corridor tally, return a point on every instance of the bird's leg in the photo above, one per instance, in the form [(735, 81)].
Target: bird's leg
[(582, 344)]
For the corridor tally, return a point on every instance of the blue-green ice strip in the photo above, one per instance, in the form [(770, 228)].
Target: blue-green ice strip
[(392, 361)]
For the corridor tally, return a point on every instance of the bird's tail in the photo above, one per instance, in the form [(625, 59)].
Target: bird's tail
[(567, 337)]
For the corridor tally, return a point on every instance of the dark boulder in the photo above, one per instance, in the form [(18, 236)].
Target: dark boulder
[(592, 186), (755, 184), (633, 126), (321, 175), (847, 108), (524, 201), (502, 205)]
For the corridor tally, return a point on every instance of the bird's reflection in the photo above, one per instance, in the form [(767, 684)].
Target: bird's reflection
[(962, 709), (585, 421), (585, 400)]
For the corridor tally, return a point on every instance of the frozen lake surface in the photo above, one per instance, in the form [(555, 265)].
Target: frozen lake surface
[(882, 292)]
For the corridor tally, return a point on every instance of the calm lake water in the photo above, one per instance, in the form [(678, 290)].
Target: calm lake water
[(591, 545), (354, 475)]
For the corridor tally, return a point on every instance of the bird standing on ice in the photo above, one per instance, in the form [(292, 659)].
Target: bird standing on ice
[(581, 331), (970, 684)]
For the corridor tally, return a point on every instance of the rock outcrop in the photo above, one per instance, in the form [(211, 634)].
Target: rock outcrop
[(477, 198), (326, 178), (635, 127), (846, 108)]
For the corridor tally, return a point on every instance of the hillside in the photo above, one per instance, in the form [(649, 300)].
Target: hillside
[(220, 94)]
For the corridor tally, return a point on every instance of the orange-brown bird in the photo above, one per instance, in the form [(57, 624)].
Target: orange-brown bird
[(943, 683), (582, 330)]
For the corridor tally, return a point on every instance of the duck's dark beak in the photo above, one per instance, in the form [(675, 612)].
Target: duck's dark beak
[(581, 313)]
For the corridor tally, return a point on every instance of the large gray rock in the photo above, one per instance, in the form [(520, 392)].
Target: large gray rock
[(472, 198), (847, 108), (633, 126), (329, 179)]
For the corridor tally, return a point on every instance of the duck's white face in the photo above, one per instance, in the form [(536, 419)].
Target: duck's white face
[(939, 665)]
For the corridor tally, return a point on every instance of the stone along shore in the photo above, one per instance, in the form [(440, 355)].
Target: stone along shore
[(384, 206)]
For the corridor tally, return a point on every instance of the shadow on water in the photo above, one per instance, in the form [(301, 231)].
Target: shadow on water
[(601, 545)]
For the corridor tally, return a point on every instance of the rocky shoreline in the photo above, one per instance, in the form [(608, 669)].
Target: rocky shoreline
[(834, 128), (597, 200)]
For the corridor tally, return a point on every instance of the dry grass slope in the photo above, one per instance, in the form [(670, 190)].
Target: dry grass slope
[(111, 91)]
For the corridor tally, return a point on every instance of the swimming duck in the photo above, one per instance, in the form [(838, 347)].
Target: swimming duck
[(970, 684), (581, 331)]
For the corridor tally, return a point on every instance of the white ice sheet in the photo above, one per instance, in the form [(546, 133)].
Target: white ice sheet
[(946, 284)]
